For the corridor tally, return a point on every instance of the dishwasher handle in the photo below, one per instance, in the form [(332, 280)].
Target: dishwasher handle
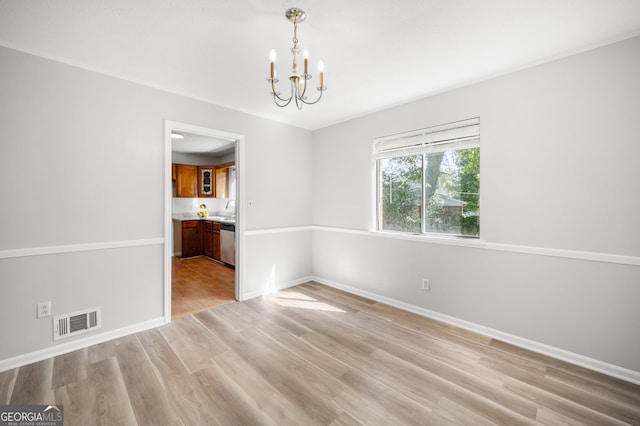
[(228, 227)]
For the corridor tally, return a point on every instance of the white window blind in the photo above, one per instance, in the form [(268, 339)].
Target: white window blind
[(452, 136)]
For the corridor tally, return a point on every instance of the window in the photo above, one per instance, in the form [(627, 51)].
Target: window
[(428, 181)]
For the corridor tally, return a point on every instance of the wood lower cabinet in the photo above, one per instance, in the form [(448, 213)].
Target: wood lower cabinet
[(216, 243), (191, 238), (211, 239), (201, 237)]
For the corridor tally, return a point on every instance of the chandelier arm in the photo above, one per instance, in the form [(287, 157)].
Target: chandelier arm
[(274, 92), (284, 101), (317, 100), (283, 104), (294, 96), (287, 100)]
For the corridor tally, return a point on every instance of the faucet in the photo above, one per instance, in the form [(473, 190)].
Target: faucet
[(229, 203)]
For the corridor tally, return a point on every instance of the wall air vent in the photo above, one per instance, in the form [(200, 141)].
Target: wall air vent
[(68, 325)]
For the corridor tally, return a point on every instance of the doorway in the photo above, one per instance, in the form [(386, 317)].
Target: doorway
[(204, 280)]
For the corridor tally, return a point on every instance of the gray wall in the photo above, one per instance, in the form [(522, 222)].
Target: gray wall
[(558, 261), (82, 172), (81, 161)]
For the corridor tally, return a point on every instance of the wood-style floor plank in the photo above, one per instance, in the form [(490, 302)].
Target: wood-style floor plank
[(33, 384), (314, 355), (302, 383), (186, 394), (198, 284), (449, 412), (368, 401), (74, 397), (302, 348), (194, 344), (108, 399), (244, 389), (579, 413), (7, 381), (147, 395), (69, 368)]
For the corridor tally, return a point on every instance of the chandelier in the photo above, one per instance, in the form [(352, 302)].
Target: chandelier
[(297, 80)]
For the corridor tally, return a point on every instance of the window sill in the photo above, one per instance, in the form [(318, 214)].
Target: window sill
[(452, 240)]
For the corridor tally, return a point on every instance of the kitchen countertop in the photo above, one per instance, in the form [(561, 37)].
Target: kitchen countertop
[(211, 217)]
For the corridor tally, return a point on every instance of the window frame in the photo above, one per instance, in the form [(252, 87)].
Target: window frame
[(454, 136)]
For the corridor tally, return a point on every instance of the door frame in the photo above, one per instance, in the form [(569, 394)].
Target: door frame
[(169, 126)]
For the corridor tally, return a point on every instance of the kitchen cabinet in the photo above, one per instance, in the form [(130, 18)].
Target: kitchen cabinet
[(206, 177), (193, 181), (211, 239), (225, 176), (216, 243), (201, 237), (204, 181), (186, 180), (191, 238)]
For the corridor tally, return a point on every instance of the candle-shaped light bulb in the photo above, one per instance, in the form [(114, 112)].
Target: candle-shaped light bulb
[(272, 59), (305, 55), (321, 70)]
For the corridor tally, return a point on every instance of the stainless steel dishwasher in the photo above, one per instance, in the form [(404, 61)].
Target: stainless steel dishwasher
[(228, 243)]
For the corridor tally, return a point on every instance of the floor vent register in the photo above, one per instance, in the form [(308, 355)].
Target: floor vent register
[(68, 325)]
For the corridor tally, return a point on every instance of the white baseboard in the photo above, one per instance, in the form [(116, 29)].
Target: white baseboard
[(277, 287), (561, 354), (70, 346)]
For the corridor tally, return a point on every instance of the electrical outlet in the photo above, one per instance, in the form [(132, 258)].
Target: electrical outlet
[(426, 284), (44, 309)]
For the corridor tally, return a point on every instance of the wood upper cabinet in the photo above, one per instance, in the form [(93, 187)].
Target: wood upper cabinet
[(206, 181), (186, 180), (222, 183), (223, 175), (202, 181)]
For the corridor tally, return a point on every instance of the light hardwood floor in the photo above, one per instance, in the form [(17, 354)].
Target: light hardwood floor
[(315, 355), (199, 283)]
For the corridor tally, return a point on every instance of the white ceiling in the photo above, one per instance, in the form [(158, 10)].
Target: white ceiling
[(377, 53), (192, 143)]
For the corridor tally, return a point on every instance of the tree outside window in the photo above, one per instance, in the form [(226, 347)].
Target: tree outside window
[(432, 192)]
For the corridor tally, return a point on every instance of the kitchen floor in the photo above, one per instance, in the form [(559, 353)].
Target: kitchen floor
[(198, 284)]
